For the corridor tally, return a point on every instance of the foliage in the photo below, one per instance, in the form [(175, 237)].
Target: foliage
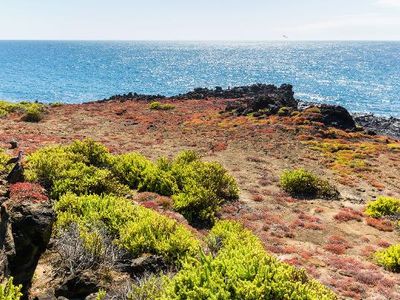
[(137, 229), (239, 268), (86, 167), (3, 160), (300, 182), (9, 291), (79, 168), (383, 206), (148, 288), (389, 258), (32, 112), (160, 106)]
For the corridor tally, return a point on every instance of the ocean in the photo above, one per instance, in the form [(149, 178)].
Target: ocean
[(362, 76)]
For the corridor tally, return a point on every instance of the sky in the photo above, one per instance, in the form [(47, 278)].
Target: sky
[(200, 19)]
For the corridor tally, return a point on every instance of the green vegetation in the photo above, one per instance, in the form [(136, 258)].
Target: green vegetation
[(300, 182), (159, 106), (9, 291), (135, 228), (383, 206), (80, 168), (32, 112), (389, 258), (86, 167), (239, 268), (3, 160)]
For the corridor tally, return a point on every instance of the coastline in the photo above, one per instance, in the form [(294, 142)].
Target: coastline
[(373, 124)]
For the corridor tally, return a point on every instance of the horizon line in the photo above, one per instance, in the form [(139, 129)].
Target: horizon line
[(200, 40)]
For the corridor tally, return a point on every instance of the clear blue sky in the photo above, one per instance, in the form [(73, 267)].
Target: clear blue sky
[(200, 19)]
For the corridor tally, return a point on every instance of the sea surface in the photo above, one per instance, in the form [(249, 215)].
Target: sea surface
[(362, 76)]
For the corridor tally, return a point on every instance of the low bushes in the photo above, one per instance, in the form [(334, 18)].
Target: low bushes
[(9, 291), (85, 167), (300, 182), (137, 229), (383, 206), (389, 258), (31, 111), (239, 268), (3, 160), (79, 168), (159, 106)]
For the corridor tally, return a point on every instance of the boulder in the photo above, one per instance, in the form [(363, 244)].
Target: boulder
[(337, 116), (25, 229), (78, 286)]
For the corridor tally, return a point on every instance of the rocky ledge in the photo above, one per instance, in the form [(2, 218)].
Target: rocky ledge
[(379, 125), (266, 99)]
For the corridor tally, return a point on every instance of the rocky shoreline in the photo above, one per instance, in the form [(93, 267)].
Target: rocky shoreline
[(389, 126), (277, 98)]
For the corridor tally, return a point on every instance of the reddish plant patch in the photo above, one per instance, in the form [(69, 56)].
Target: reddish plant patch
[(380, 224), (25, 191), (384, 244), (337, 245), (348, 214), (257, 198)]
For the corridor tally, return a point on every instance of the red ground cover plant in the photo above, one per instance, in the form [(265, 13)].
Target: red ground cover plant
[(337, 245), (348, 214), (307, 222), (257, 198), (384, 244), (32, 192), (380, 224)]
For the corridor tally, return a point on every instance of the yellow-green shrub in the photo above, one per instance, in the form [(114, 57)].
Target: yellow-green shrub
[(129, 168), (86, 167), (137, 229), (9, 291), (383, 206), (3, 160), (80, 168), (389, 258), (32, 112), (300, 182), (241, 269), (159, 106)]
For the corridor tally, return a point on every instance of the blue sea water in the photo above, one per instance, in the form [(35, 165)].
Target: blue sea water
[(362, 76)]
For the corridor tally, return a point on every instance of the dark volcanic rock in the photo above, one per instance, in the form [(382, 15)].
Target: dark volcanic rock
[(218, 92), (336, 116), (25, 230), (266, 100), (78, 286), (379, 125)]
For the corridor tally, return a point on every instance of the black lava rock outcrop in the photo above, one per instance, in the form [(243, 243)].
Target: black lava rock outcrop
[(267, 100), (336, 116), (25, 229), (379, 125)]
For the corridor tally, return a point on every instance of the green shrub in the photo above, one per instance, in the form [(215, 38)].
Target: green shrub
[(81, 168), (240, 269), (33, 113), (91, 152), (129, 168), (389, 258), (159, 106), (82, 179), (3, 160), (137, 229), (303, 183), (86, 167), (9, 291), (148, 288), (383, 206)]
